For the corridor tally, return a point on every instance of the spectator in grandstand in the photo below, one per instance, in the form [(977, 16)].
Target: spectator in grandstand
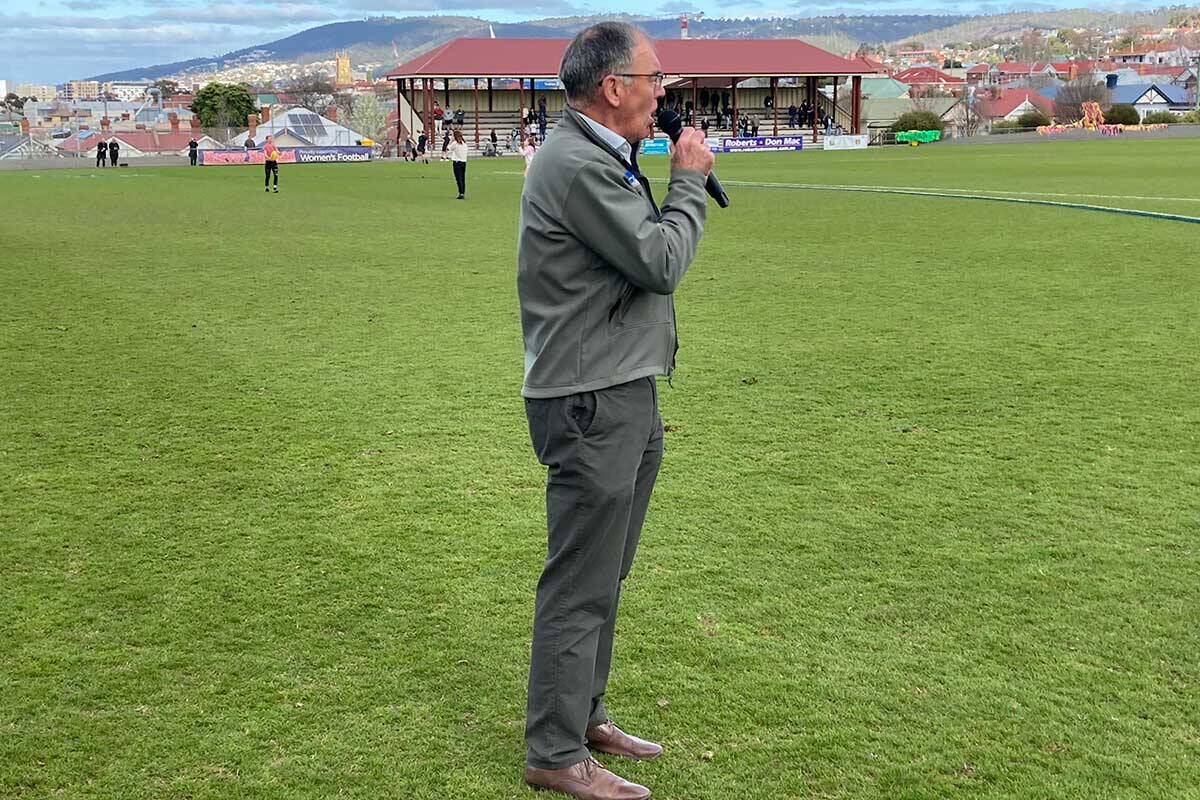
[(458, 157), (597, 266), (793, 112)]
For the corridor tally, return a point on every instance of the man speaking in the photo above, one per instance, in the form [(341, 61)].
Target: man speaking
[(597, 264)]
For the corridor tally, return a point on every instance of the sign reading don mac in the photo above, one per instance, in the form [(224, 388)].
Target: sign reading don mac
[(287, 155), (761, 144)]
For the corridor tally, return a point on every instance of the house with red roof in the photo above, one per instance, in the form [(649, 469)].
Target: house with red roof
[(1012, 103), (137, 143), (931, 78)]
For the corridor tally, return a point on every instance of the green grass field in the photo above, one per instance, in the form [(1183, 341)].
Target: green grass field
[(928, 524)]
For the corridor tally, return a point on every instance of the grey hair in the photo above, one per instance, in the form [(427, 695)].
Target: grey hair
[(594, 53)]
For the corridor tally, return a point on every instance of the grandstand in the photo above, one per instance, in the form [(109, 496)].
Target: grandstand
[(492, 80)]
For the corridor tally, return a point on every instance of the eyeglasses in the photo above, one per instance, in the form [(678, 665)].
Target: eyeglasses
[(657, 77)]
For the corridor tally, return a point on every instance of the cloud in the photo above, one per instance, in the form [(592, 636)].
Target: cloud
[(85, 5), (551, 8), (258, 16)]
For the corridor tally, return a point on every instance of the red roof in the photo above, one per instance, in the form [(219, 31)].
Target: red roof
[(540, 58), (870, 64), (1011, 99), (143, 141), (926, 75)]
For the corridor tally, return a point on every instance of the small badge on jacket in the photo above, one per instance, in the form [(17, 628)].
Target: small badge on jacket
[(631, 179)]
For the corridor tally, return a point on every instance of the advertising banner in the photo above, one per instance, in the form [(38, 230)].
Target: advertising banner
[(655, 147), (287, 155), (761, 144), (848, 142)]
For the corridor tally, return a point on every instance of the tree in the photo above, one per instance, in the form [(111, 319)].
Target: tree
[(167, 87), (1068, 103), (224, 105), (12, 102), (919, 121), (1122, 114), (368, 117), (313, 90)]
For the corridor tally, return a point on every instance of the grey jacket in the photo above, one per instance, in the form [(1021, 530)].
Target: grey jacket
[(597, 263)]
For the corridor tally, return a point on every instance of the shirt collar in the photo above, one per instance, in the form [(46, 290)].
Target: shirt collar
[(610, 137)]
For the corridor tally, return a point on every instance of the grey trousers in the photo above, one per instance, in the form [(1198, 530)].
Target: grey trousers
[(603, 450)]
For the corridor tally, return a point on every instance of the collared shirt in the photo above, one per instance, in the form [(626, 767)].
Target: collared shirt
[(610, 137)]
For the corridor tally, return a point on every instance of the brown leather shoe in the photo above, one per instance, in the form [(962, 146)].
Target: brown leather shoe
[(587, 780), (610, 739)]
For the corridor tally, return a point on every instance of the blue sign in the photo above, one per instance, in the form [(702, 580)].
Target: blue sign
[(656, 147)]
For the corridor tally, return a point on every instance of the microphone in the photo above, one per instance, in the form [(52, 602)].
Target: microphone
[(672, 126)]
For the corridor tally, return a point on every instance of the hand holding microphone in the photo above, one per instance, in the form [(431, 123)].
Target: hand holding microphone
[(691, 152)]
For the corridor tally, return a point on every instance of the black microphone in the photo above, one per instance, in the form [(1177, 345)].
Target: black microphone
[(672, 126)]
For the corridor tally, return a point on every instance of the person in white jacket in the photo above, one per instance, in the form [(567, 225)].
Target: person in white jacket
[(458, 156)]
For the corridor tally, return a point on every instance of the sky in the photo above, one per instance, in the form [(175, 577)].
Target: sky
[(52, 41)]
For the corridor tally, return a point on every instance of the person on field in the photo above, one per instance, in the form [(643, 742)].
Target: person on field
[(529, 151), (458, 157), (101, 154), (598, 262), (271, 164)]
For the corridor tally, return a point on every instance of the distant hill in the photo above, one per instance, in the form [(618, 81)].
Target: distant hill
[(370, 40), (973, 29)]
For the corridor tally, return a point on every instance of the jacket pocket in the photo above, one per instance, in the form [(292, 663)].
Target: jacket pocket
[(636, 308)]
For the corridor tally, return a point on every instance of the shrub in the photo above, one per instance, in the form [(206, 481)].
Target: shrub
[(1005, 126), (1122, 114), (1032, 119), (919, 121), (1157, 117)]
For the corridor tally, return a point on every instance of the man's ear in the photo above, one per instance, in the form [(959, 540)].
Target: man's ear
[(609, 89)]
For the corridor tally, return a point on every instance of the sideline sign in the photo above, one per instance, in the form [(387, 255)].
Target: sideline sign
[(847, 142), (287, 155), (761, 144)]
